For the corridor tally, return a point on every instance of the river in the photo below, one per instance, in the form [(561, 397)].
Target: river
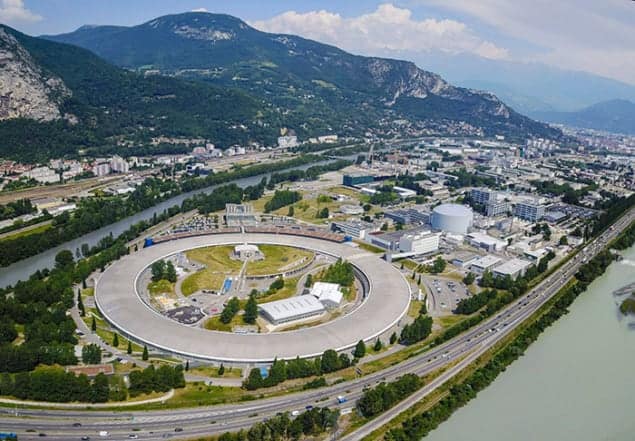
[(24, 268), (575, 383)]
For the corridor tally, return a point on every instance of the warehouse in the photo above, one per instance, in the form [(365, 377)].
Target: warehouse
[(512, 268), (328, 294), (482, 264), (291, 309)]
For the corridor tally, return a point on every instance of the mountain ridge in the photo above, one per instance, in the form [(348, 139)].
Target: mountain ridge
[(289, 71), (617, 115)]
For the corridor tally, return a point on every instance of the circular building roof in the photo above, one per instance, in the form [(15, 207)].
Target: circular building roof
[(454, 210)]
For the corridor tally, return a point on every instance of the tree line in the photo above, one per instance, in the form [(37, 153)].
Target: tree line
[(385, 395), (282, 370), (310, 423), (282, 198)]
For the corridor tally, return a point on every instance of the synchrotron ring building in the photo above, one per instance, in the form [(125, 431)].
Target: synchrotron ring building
[(387, 300)]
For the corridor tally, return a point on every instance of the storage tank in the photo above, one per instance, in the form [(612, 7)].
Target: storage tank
[(452, 218)]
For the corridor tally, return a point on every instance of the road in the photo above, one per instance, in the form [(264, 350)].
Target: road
[(458, 352)]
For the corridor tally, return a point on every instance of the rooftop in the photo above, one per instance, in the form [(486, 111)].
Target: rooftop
[(486, 261), (291, 307), (512, 266)]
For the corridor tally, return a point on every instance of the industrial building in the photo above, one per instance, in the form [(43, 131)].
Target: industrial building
[(485, 263), (355, 229), (408, 216), (529, 210), (239, 214), (328, 294), (293, 308), (357, 179), (419, 243), (452, 218), (512, 268), (486, 242)]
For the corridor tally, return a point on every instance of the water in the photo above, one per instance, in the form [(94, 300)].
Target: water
[(23, 269), (575, 383)]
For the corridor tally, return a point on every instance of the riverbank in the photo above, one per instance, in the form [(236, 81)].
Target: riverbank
[(423, 418)]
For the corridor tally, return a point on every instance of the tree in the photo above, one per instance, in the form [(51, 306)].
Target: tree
[(93, 325), (469, 278), (115, 340), (438, 266), (129, 350), (158, 270), (170, 272), (384, 227), (393, 338), (64, 259), (563, 240), (309, 281), (291, 211), (378, 345), (323, 213), (230, 310), (91, 354), (80, 304), (360, 349), (187, 365), (251, 310), (145, 354), (221, 370)]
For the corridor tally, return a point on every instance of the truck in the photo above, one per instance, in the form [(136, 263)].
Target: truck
[(103, 433), (341, 399)]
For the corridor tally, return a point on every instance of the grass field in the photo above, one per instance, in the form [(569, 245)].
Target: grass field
[(216, 258), (214, 323), (276, 258), (203, 279), (104, 332), (212, 371), (36, 230), (161, 287), (289, 290)]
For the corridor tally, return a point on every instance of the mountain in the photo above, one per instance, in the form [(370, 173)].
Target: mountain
[(527, 87), (307, 81), (611, 116), (56, 99)]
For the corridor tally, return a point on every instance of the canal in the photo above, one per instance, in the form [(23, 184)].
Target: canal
[(575, 383)]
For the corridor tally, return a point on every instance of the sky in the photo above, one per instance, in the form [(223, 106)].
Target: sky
[(594, 36)]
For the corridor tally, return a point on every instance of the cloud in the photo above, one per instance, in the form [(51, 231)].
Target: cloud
[(385, 31), (200, 10), (590, 35), (14, 11)]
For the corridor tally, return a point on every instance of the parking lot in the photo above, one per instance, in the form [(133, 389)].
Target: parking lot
[(444, 294)]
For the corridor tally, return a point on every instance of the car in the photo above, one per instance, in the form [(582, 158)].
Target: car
[(295, 413), (77, 424), (85, 438), (41, 434), (178, 429), (133, 436), (309, 407)]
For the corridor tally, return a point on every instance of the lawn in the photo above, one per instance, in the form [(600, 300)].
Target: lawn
[(214, 323), (104, 332), (278, 257), (289, 290), (216, 258), (212, 371), (203, 279)]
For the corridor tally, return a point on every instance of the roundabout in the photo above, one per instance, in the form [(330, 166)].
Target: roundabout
[(386, 298)]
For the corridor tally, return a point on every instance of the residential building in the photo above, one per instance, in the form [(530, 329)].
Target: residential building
[(119, 165)]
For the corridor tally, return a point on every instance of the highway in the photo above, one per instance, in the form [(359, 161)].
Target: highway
[(192, 422)]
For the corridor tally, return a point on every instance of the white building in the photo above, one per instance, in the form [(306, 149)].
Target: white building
[(419, 243), (512, 268), (288, 141), (482, 264), (291, 309), (329, 294), (529, 210), (43, 175), (119, 165), (327, 139), (356, 229), (101, 169), (486, 242)]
